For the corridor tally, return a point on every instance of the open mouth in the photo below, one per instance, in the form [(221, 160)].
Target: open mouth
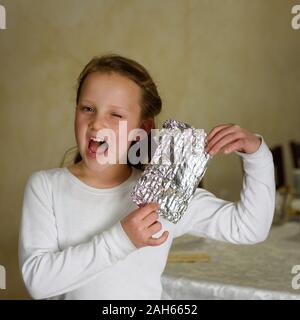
[(95, 143)]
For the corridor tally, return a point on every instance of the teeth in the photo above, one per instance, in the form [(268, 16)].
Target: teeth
[(97, 140)]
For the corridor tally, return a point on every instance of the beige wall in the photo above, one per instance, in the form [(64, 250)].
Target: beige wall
[(233, 61)]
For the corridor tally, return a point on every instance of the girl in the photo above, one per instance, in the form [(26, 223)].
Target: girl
[(82, 237)]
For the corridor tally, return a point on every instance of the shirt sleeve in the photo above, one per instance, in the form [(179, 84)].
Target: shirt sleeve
[(48, 271), (246, 221)]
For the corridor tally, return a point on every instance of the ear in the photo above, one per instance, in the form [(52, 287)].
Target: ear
[(148, 124)]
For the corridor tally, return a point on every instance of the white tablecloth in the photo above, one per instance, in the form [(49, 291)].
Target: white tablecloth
[(261, 271)]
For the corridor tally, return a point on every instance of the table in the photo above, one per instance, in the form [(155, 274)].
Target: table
[(260, 271)]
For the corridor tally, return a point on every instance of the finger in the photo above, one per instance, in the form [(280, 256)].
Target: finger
[(224, 142), (150, 218), (155, 227), (215, 130), (157, 241), (235, 146), (220, 135), (146, 209)]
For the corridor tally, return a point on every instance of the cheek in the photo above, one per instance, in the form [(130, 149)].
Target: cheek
[(79, 128), (79, 123), (131, 125)]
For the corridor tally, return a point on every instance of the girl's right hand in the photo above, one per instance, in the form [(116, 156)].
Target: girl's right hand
[(141, 224)]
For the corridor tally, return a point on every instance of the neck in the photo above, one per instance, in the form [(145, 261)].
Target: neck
[(109, 177)]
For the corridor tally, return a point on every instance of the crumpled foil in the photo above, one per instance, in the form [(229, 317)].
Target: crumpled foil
[(175, 170)]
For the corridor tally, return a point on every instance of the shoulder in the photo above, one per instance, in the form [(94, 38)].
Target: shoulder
[(201, 193), (205, 202), (200, 203), (44, 178)]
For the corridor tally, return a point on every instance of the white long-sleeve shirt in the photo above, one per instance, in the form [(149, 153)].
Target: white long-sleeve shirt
[(72, 244)]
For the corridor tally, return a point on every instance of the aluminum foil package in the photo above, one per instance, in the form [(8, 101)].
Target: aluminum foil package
[(175, 170)]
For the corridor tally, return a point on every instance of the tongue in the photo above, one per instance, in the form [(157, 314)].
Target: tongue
[(93, 146)]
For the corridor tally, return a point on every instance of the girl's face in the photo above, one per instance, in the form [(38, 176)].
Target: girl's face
[(105, 99)]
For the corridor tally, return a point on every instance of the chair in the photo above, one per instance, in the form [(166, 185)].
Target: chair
[(295, 150)]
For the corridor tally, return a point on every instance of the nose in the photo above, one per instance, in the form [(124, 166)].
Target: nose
[(97, 123)]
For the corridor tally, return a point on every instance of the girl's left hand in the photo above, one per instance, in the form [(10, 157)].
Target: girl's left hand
[(230, 138)]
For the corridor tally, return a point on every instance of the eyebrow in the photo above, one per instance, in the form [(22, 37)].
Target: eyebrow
[(111, 105)]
